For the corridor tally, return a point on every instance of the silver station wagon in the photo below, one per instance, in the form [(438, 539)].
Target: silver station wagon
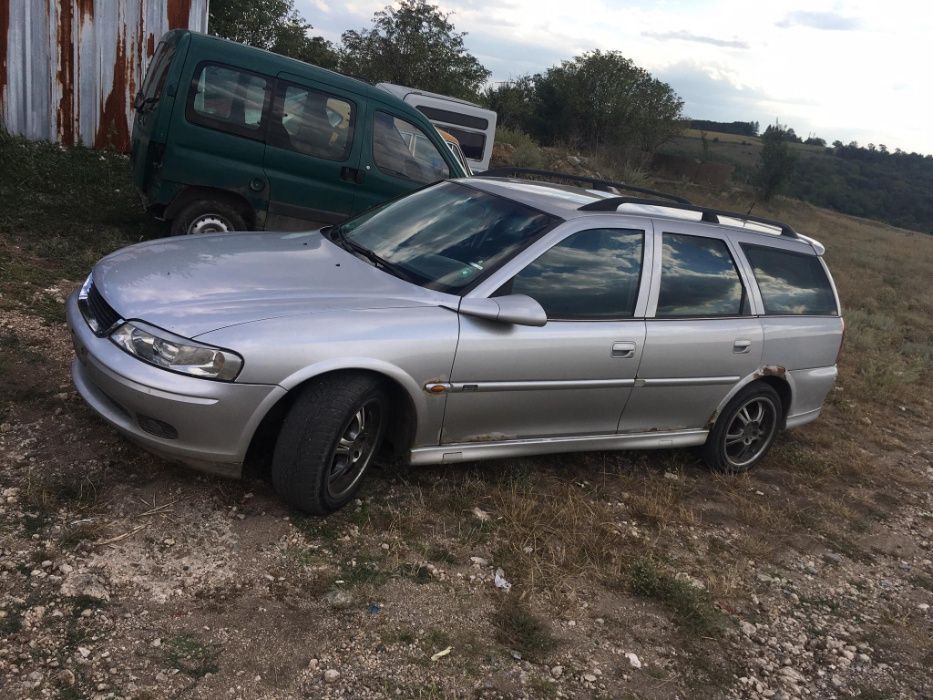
[(473, 319)]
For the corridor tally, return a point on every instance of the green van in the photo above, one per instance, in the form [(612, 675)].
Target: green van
[(230, 137)]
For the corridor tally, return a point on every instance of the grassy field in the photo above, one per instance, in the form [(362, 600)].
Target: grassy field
[(718, 586)]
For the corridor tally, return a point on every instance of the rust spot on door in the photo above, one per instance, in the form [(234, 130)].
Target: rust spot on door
[(771, 371), (113, 132), (66, 74), (178, 13)]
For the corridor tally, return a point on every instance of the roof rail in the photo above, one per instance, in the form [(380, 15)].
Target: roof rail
[(596, 183), (709, 215)]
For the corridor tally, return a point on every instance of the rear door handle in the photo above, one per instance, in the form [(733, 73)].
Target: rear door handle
[(352, 174), (740, 347), (623, 348)]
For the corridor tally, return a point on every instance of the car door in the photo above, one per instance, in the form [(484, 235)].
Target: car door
[(701, 334), (573, 375), (312, 155), (400, 157)]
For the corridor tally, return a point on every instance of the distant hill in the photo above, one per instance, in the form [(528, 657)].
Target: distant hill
[(893, 187)]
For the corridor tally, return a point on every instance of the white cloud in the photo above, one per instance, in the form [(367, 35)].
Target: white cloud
[(847, 69)]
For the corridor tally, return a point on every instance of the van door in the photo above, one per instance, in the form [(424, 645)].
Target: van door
[(312, 158), (146, 107), (701, 338), (399, 157)]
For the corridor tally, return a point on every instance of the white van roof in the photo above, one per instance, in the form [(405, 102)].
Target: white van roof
[(401, 92)]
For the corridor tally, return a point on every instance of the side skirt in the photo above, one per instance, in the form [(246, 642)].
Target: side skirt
[(472, 451)]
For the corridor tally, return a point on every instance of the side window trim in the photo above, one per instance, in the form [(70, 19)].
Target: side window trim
[(660, 228), (192, 116), (533, 253), (444, 152), (829, 279)]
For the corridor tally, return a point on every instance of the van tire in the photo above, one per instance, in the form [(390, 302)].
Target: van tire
[(739, 441), (208, 216), (328, 440)]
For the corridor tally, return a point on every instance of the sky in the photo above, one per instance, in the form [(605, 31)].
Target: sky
[(840, 70)]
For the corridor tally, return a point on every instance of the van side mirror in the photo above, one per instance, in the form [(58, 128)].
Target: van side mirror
[(513, 308)]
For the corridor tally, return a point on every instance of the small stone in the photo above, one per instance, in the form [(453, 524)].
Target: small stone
[(557, 671), (313, 664), (85, 585), (156, 643), (589, 677), (633, 659), (836, 681), (65, 568), (479, 561), (340, 599), (923, 607), (84, 652), (748, 629), (65, 678), (331, 675), (832, 557), (47, 564)]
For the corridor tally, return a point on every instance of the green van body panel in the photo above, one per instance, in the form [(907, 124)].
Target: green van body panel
[(179, 157)]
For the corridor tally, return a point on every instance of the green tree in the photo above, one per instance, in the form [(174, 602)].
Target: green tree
[(776, 163), (603, 100), (274, 25), (514, 102), (414, 44)]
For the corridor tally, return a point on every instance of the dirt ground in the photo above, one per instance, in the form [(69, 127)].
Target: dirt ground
[(620, 575)]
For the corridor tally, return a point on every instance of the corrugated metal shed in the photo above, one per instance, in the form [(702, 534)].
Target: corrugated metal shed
[(69, 68)]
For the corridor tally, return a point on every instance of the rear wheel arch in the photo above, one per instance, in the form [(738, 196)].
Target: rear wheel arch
[(775, 377)]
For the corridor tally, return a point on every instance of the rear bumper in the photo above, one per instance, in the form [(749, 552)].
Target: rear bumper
[(215, 421)]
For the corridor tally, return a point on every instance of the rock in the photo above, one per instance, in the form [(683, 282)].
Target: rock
[(557, 671), (684, 577), (331, 675), (84, 652), (479, 561), (65, 568), (633, 659), (340, 599), (156, 643), (748, 629), (792, 675), (589, 677), (313, 664), (85, 585), (923, 607), (832, 557), (65, 678)]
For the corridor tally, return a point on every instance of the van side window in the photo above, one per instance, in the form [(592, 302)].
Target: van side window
[(402, 149), (699, 279), (312, 122), (158, 70), (590, 275), (228, 99), (791, 283)]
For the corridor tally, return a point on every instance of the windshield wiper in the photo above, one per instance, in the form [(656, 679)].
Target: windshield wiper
[(338, 237)]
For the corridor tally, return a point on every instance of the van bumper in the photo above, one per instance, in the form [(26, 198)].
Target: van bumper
[(205, 424)]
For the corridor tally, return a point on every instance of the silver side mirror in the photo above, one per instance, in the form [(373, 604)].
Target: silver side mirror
[(514, 308)]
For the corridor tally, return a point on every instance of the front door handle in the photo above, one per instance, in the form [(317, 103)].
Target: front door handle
[(740, 347), (623, 348), (352, 174)]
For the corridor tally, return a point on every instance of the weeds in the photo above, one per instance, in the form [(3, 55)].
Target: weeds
[(519, 629), (192, 656), (691, 606)]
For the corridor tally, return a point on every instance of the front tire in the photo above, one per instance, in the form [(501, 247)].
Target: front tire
[(328, 440), (745, 430)]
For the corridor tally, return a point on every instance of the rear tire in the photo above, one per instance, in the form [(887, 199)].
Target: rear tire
[(328, 440), (208, 216), (745, 430)]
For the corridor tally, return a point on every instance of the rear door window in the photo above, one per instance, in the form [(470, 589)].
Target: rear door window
[(589, 276), (158, 70), (312, 122), (791, 283), (229, 99), (402, 149), (699, 279)]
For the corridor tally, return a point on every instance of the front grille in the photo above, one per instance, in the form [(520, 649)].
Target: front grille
[(100, 311)]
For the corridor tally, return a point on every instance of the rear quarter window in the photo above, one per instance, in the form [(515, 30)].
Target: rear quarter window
[(791, 283)]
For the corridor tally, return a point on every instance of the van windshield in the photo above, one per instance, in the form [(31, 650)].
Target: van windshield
[(446, 237)]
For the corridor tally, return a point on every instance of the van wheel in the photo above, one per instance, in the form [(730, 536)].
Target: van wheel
[(328, 439), (207, 216), (745, 430)]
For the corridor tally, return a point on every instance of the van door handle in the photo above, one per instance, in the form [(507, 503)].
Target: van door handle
[(623, 348), (349, 174), (740, 347)]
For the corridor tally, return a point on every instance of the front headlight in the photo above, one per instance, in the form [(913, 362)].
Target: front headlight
[(171, 352)]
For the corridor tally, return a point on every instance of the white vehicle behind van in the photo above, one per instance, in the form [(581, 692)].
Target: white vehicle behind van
[(473, 126)]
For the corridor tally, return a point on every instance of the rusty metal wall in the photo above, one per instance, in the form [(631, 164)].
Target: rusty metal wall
[(69, 68)]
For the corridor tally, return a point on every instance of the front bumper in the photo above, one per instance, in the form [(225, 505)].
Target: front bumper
[(215, 421)]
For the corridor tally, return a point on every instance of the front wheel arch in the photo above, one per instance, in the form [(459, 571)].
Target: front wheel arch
[(193, 194)]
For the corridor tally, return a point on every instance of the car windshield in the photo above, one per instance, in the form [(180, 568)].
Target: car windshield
[(446, 237)]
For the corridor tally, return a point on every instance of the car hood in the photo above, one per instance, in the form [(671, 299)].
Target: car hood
[(195, 284)]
